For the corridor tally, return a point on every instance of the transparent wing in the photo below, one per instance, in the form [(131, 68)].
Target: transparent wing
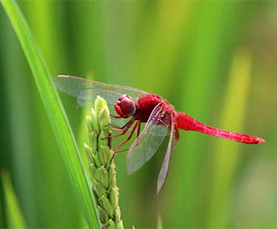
[(173, 141), (87, 97), (85, 100), (87, 90), (150, 139), (76, 86)]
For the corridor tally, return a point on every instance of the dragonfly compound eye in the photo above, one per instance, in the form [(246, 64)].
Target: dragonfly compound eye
[(125, 106), (122, 97)]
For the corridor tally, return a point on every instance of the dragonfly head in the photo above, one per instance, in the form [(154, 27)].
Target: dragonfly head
[(124, 106)]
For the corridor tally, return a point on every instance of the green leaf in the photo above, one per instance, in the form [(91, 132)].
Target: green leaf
[(14, 215), (55, 112), (159, 222)]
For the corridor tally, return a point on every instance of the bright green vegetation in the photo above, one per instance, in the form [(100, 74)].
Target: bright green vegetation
[(14, 217), (214, 60)]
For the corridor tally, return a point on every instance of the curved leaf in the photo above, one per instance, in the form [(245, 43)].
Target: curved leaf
[(56, 114)]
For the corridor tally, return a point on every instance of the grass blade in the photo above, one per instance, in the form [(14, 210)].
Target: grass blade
[(159, 222), (55, 112), (14, 215)]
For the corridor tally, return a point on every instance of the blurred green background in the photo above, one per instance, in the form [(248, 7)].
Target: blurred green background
[(214, 60)]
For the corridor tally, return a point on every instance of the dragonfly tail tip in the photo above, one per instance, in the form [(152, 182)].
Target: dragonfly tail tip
[(260, 140)]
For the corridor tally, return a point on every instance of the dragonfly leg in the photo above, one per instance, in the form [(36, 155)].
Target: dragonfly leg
[(129, 137), (119, 151), (138, 133), (113, 126), (114, 116), (117, 135), (116, 129), (138, 124), (127, 126)]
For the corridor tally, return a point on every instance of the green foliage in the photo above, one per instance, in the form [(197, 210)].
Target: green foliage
[(56, 114), (14, 215)]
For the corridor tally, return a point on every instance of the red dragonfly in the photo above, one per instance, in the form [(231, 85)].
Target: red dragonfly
[(142, 107)]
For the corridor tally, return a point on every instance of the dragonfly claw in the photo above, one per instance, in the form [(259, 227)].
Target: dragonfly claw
[(104, 138), (110, 136), (120, 130), (116, 152), (112, 156)]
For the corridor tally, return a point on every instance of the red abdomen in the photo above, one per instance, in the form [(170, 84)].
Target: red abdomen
[(186, 122)]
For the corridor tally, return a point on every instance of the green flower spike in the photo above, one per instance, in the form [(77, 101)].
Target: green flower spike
[(101, 165)]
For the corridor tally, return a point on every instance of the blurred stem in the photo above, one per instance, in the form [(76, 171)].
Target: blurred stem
[(159, 222), (227, 157), (3, 220), (13, 213), (101, 165)]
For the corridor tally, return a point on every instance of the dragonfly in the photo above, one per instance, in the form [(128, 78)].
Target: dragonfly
[(135, 107)]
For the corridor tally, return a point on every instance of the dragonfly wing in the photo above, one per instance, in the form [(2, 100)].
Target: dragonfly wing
[(74, 86), (87, 97), (150, 139), (173, 141), (87, 90)]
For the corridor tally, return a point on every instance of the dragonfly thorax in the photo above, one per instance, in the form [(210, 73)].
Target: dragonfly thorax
[(124, 106)]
